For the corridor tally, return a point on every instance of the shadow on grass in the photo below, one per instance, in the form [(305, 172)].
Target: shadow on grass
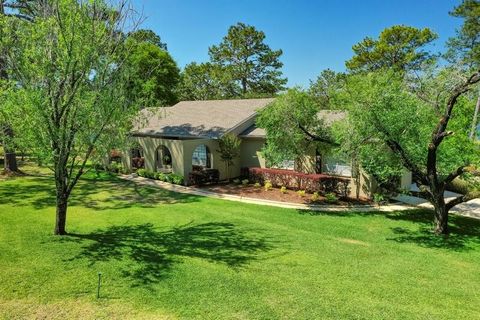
[(149, 253), (464, 231), (96, 192)]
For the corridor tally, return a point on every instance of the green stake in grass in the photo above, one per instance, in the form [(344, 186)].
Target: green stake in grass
[(99, 283)]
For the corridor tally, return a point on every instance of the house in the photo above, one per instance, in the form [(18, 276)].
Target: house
[(184, 137)]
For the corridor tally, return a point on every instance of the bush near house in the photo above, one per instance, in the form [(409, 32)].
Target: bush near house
[(166, 177), (300, 181), (203, 176)]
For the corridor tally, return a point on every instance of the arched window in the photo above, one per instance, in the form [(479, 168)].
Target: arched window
[(201, 157), (163, 159), (138, 160)]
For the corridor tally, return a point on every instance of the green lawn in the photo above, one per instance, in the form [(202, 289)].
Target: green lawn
[(165, 255)]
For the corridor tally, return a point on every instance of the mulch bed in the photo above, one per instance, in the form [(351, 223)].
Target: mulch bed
[(274, 194)]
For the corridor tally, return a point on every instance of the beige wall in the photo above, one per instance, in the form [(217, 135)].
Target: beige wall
[(250, 155)]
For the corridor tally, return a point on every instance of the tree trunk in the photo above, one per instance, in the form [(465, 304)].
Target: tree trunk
[(10, 163), (61, 214), (441, 215), (473, 130)]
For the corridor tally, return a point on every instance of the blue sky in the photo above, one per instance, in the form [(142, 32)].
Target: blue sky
[(314, 35)]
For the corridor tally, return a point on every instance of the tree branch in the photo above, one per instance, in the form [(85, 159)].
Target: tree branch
[(314, 137)]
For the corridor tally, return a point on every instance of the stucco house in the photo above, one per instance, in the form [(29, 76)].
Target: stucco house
[(184, 137)]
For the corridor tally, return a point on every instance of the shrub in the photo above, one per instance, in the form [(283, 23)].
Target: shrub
[(236, 181), (283, 189), (378, 198), (199, 177), (141, 172), (268, 185), (301, 181), (315, 197), (245, 182), (257, 185), (176, 178), (161, 176), (301, 193), (331, 197)]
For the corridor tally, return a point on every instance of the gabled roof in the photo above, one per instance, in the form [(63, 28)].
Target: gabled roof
[(199, 119)]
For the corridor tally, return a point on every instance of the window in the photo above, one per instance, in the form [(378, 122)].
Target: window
[(138, 161), (163, 158), (337, 165), (201, 157)]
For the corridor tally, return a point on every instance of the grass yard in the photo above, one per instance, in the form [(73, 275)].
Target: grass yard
[(171, 256)]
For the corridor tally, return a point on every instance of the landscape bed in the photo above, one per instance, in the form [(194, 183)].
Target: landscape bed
[(165, 255)]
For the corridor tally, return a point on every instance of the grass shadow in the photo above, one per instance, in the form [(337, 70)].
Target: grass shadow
[(98, 192), (464, 231), (150, 253)]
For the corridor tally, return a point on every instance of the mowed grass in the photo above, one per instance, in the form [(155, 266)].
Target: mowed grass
[(169, 256)]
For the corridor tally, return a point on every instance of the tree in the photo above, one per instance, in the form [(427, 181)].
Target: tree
[(206, 81), (465, 47), (398, 47), (152, 73), (292, 126), (229, 149), (323, 89), (385, 116), (144, 35), (24, 10), (250, 61), (71, 88)]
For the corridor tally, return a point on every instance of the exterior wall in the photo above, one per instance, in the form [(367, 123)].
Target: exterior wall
[(250, 155), (217, 163), (406, 180), (150, 145)]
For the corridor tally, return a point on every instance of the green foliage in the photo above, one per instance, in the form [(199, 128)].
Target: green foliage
[(148, 36), (251, 63), (331, 197), (245, 182), (301, 193), (465, 46), (382, 108), (206, 81), (398, 47), (229, 150), (378, 198), (283, 120), (283, 189), (237, 181), (165, 177), (257, 185), (152, 73), (325, 87)]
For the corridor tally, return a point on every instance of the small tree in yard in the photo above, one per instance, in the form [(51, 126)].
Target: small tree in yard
[(70, 89), (426, 136), (229, 149)]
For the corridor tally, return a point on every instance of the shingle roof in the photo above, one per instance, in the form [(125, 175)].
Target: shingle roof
[(329, 116), (201, 119)]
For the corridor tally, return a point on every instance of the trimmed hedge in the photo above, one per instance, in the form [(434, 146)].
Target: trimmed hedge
[(300, 181), (166, 177)]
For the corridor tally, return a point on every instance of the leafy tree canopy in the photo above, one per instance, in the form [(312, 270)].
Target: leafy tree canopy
[(292, 126), (145, 35), (206, 81), (252, 63), (465, 47), (399, 47), (325, 88), (153, 74)]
